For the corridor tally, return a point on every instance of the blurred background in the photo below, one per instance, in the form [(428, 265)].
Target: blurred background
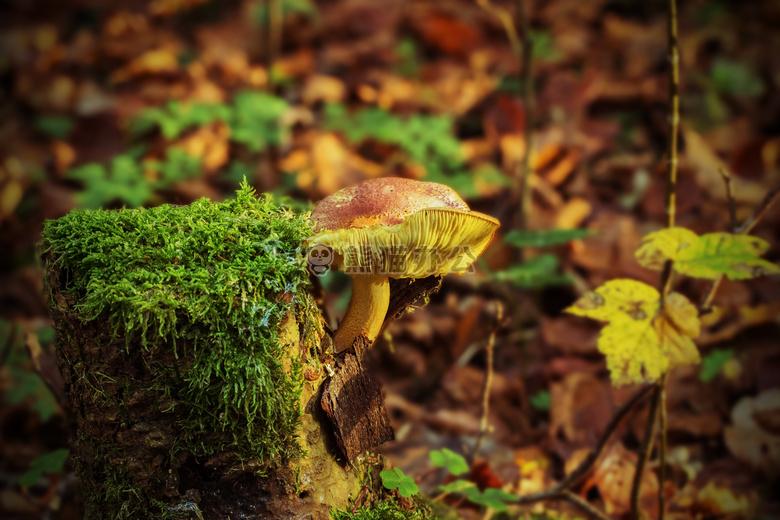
[(137, 103)]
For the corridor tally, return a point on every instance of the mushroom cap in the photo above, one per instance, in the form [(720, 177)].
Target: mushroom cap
[(386, 201), (401, 227)]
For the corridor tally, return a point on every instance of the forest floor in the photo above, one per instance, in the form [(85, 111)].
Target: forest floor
[(129, 103)]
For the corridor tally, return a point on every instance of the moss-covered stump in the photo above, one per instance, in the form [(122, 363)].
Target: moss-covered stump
[(189, 347)]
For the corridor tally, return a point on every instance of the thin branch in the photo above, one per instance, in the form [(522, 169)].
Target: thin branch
[(573, 477), (488, 383), (759, 212), (273, 33), (509, 25), (561, 489), (730, 199), (524, 168), (662, 450), (674, 115), (584, 506), (360, 497), (667, 279), (744, 229), (644, 452)]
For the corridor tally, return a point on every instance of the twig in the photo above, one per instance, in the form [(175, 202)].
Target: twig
[(644, 452), (273, 32), (730, 198), (593, 456), (522, 47), (667, 278), (674, 115), (360, 497), (524, 168), (509, 25), (744, 229), (583, 505), (561, 489), (483, 424), (759, 212), (662, 449)]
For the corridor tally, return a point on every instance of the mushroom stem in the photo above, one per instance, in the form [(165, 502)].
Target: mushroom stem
[(366, 311)]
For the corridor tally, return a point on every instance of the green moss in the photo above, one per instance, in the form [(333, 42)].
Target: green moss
[(212, 281), (388, 509)]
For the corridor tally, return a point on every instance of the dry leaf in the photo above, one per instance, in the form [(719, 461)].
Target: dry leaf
[(715, 500), (748, 439), (613, 477), (573, 213), (328, 89), (158, 61), (708, 165)]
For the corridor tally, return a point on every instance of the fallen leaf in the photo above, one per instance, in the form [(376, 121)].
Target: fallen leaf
[(573, 213), (709, 164), (157, 61), (748, 438), (328, 89), (715, 500), (613, 476)]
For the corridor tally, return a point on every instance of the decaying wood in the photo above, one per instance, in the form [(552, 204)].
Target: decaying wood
[(353, 401)]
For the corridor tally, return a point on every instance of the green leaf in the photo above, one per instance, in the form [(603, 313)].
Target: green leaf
[(460, 486), (396, 479), (54, 126), (541, 401), (541, 271), (736, 78), (52, 462), (446, 458), (544, 238), (712, 363), (493, 498), (707, 256)]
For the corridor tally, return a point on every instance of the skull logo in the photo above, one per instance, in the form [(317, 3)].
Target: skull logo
[(319, 259)]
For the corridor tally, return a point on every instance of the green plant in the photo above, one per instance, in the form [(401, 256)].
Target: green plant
[(543, 270), (456, 464), (388, 509), (130, 180), (426, 140), (54, 126), (713, 363), (50, 463), (253, 118), (26, 385), (395, 479), (541, 400), (446, 458), (493, 498)]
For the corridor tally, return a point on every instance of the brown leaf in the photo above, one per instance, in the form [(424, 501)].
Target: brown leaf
[(708, 164), (748, 439), (613, 476)]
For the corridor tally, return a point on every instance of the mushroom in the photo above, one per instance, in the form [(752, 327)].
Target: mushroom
[(399, 228)]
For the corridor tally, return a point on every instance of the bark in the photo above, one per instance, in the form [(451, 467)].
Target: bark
[(126, 425)]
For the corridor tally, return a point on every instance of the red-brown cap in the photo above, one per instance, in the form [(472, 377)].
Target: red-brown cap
[(402, 228)]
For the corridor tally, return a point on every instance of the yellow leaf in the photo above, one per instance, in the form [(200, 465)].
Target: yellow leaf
[(663, 245), (636, 300), (683, 314), (639, 342), (707, 256), (633, 351)]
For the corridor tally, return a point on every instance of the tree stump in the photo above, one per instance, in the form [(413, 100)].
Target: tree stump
[(190, 351)]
